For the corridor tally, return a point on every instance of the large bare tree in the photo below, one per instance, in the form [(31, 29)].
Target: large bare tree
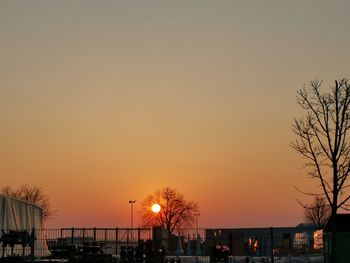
[(175, 212), (31, 194), (322, 138)]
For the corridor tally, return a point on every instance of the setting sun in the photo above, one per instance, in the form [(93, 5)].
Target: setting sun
[(155, 208)]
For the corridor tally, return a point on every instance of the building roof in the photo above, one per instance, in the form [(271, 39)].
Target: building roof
[(342, 223), (303, 225)]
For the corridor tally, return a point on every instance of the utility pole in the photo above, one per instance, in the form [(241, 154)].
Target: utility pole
[(197, 215), (132, 202)]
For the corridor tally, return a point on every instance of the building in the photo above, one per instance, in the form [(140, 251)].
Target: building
[(343, 239)]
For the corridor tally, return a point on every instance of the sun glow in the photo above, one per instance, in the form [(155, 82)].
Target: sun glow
[(155, 208)]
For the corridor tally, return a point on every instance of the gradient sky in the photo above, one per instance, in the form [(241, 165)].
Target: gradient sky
[(106, 101)]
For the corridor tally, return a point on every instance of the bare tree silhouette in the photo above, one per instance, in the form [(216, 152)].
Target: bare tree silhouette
[(175, 212), (322, 139), (31, 194), (318, 213)]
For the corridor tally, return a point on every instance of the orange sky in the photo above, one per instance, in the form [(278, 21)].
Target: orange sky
[(103, 102)]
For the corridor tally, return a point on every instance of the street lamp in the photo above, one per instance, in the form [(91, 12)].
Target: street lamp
[(197, 215), (198, 245), (132, 202)]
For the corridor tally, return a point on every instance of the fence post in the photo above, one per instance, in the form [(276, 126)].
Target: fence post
[(138, 236), (116, 240), (271, 240), (32, 243), (105, 237), (72, 237), (94, 234)]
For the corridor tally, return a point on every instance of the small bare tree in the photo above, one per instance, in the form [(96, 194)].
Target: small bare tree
[(322, 138), (318, 213), (175, 213), (31, 194)]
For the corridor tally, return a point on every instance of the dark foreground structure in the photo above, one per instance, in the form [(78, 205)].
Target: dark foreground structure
[(287, 244), (343, 239)]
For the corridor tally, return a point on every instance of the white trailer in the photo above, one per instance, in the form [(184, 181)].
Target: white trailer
[(16, 216)]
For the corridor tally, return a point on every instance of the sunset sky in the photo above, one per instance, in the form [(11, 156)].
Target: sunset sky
[(102, 102)]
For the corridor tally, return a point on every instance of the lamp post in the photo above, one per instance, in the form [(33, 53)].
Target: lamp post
[(197, 215), (198, 245), (132, 202)]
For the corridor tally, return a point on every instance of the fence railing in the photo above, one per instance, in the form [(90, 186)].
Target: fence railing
[(205, 245)]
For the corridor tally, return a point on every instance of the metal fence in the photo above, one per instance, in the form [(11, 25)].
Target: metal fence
[(186, 245)]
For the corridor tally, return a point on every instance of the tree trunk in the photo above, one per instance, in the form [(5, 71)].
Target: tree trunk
[(333, 242), (334, 252)]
